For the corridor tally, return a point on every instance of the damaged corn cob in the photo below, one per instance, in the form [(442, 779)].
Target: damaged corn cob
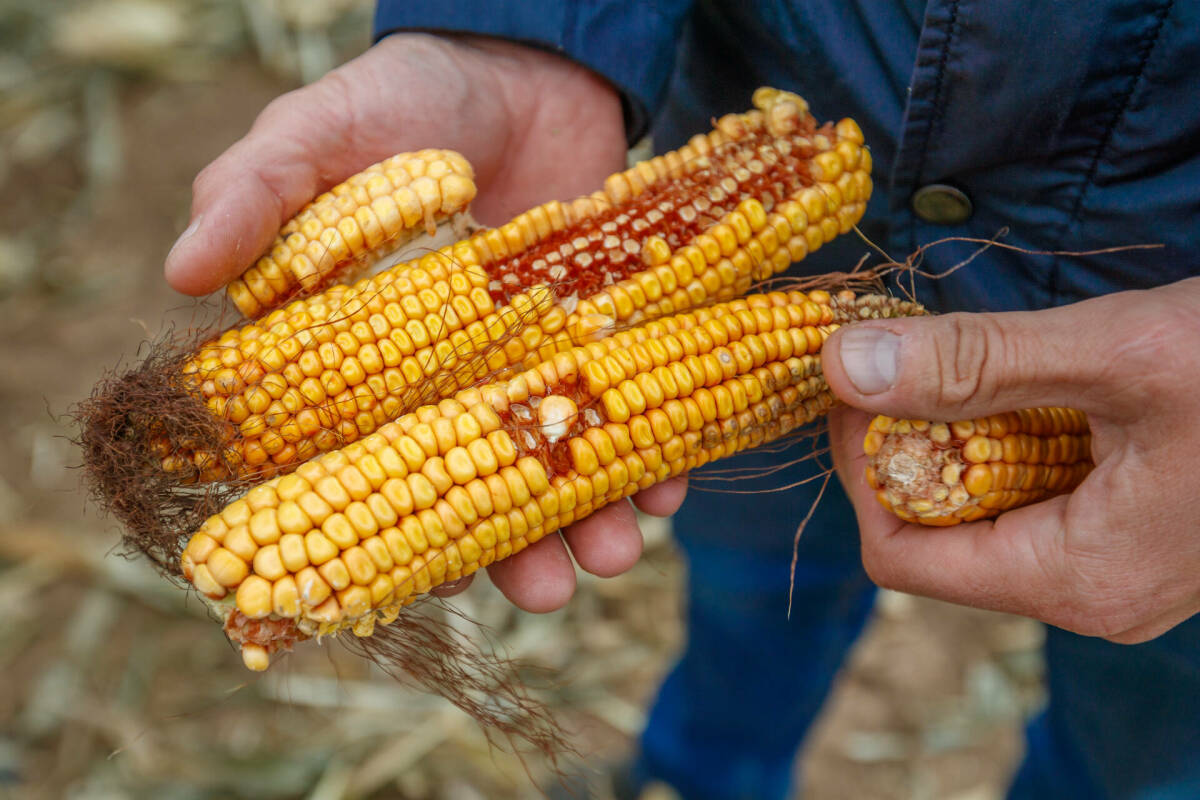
[(699, 224), (936, 473), (347, 539)]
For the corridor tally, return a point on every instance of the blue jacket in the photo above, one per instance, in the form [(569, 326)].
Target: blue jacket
[(1075, 126)]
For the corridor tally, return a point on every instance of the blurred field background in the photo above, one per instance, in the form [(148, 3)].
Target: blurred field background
[(118, 685)]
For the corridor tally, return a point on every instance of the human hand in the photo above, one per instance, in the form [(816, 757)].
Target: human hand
[(534, 126), (1118, 558)]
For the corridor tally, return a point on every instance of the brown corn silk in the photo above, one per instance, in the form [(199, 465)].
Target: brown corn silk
[(350, 537), (937, 473)]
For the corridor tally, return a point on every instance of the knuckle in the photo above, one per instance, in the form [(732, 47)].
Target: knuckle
[(203, 178), (966, 351), (1154, 348)]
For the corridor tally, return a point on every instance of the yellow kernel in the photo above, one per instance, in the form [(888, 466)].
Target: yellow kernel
[(376, 547), (255, 657), (312, 588), (435, 470), (583, 456), (331, 490), (254, 597), (293, 552), (364, 517), (335, 573), (355, 601), (977, 449), (285, 598), (319, 548), (978, 480), (264, 526), (460, 465), (240, 542), (268, 563), (225, 568), (615, 407), (206, 584), (534, 474), (199, 547), (339, 531), (640, 432), (424, 494), (360, 565)]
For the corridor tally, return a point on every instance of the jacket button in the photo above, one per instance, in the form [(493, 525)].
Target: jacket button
[(942, 204)]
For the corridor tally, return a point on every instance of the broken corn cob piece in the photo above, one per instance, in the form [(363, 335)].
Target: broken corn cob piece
[(937, 473), (350, 537), (354, 223)]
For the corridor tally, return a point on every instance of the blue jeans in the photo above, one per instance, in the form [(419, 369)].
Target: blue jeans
[(1122, 722)]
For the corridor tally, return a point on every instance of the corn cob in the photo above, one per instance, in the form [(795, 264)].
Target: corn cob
[(350, 537), (699, 224), (945, 473), (351, 225)]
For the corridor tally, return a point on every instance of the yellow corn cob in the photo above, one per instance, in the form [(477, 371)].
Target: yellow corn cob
[(355, 222), (702, 223), (945, 473), (350, 537)]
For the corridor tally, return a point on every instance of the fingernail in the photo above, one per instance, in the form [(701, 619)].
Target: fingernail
[(188, 232), (869, 358)]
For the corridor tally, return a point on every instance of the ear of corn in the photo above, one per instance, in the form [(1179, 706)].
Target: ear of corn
[(699, 224), (937, 473), (350, 537)]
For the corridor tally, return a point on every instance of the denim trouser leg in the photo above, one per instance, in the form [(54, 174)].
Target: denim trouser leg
[(1123, 721), (732, 713)]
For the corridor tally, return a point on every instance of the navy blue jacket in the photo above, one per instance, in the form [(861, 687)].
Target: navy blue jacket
[(1075, 126)]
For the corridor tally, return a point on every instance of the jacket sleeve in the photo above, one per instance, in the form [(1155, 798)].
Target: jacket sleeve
[(631, 44)]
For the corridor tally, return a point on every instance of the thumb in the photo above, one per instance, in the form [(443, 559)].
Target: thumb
[(961, 366)]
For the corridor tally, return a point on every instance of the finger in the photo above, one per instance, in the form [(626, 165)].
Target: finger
[(662, 499), (608, 542), (1013, 565), (960, 366), (847, 427), (540, 578)]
